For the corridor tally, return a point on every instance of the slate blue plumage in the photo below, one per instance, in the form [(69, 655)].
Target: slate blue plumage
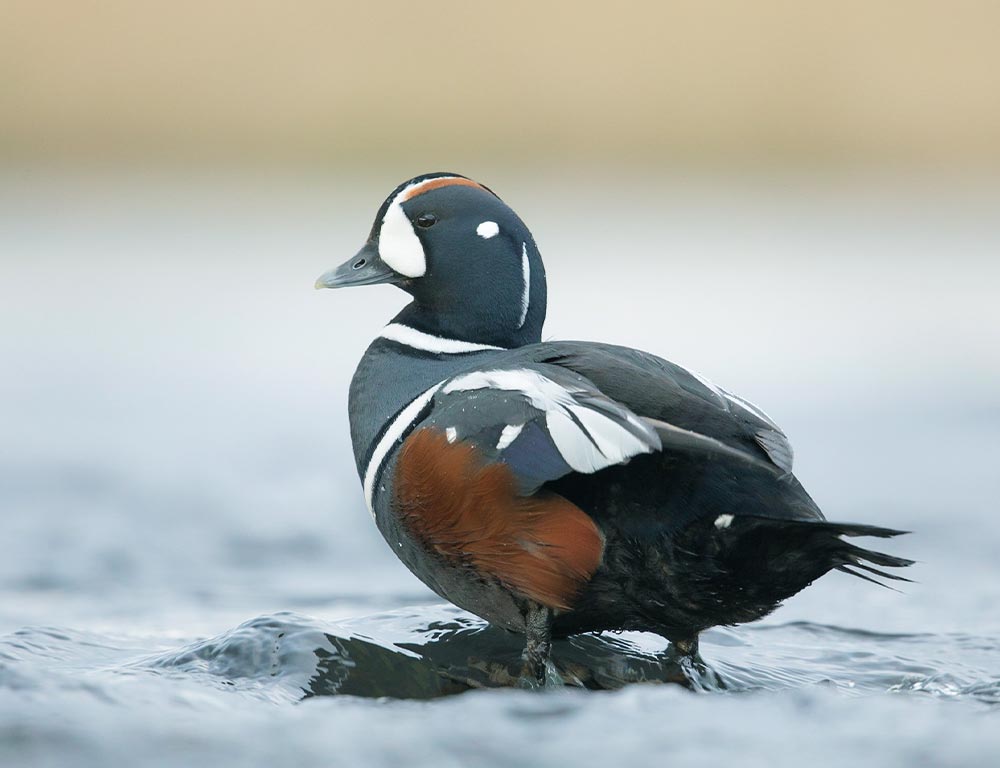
[(562, 487)]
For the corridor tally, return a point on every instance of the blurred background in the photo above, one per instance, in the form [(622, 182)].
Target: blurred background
[(328, 86), (800, 200)]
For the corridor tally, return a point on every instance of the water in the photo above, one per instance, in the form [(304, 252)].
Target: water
[(188, 575)]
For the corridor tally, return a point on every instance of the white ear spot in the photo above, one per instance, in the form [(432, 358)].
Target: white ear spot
[(487, 229), (723, 521)]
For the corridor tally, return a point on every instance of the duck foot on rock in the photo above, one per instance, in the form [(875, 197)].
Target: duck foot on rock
[(538, 670)]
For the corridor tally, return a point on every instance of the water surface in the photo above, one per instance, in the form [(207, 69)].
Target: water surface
[(188, 575)]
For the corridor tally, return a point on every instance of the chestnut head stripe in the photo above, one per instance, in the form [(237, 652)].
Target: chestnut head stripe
[(431, 184)]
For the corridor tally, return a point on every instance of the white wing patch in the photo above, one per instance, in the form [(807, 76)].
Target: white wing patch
[(587, 438), (614, 444), (508, 435), (543, 393)]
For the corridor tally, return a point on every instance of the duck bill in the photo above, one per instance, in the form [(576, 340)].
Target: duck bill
[(364, 268)]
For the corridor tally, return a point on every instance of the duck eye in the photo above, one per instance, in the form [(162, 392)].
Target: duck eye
[(426, 220)]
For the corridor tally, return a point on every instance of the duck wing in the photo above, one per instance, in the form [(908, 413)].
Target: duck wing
[(542, 421), (658, 389)]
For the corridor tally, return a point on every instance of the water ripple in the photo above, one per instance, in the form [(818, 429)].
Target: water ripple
[(433, 651)]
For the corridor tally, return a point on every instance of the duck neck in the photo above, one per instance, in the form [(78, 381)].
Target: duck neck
[(396, 369), (477, 320)]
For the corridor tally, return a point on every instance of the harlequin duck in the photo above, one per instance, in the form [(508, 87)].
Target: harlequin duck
[(562, 487)]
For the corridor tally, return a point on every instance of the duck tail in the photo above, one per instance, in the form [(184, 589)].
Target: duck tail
[(859, 561), (797, 552)]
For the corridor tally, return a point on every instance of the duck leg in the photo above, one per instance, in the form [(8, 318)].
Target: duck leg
[(686, 646), (695, 673), (538, 633)]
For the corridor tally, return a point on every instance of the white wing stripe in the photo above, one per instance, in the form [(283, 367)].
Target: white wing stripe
[(575, 447), (616, 443), (587, 439), (508, 435), (543, 393)]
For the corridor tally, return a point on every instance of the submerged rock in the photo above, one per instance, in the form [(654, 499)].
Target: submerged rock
[(417, 654)]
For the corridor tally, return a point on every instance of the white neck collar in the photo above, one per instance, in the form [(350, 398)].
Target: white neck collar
[(411, 337)]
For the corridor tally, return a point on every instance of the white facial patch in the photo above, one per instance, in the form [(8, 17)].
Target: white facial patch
[(488, 229), (398, 245)]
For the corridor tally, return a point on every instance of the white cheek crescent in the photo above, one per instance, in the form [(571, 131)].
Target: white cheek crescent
[(398, 245), (487, 229)]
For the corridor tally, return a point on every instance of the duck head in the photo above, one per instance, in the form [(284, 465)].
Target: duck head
[(465, 257)]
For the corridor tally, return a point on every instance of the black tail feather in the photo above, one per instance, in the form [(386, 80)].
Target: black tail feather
[(830, 551), (852, 559), (845, 569), (727, 570), (880, 573), (878, 558), (857, 529)]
